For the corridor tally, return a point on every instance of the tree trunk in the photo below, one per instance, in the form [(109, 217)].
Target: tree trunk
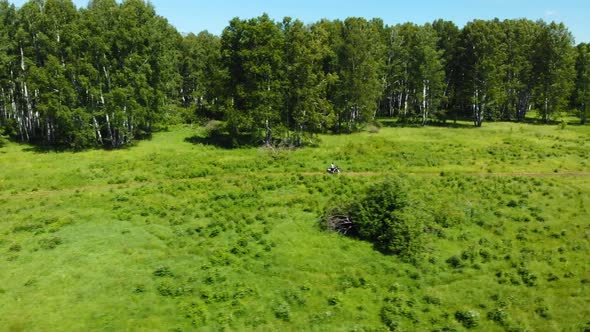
[(268, 139), (110, 130), (405, 102), (97, 129), (424, 105), (546, 110)]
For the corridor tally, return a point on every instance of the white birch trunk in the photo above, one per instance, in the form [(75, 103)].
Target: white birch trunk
[(97, 129), (424, 109)]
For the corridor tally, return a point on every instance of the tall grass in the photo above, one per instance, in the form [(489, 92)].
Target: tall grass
[(171, 235)]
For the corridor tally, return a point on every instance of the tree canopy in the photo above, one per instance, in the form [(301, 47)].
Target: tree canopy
[(113, 72)]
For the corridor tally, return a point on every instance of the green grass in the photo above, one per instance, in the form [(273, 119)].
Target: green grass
[(170, 235)]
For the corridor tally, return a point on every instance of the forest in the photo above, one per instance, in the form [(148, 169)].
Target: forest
[(113, 73), (152, 180)]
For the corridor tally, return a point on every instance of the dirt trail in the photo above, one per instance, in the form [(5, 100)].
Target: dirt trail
[(136, 184), (507, 174)]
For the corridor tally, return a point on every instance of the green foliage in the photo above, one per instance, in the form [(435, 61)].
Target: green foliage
[(207, 238), (50, 243), (83, 78), (415, 73), (2, 140), (252, 53), (385, 215), (581, 96), (553, 66), (468, 318), (113, 73), (281, 311), (498, 315)]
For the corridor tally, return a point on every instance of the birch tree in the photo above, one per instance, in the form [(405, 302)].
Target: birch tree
[(481, 63), (553, 66), (448, 35), (306, 100), (360, 71), (200, 69), (252, 50), (518, 76), (582, 88)]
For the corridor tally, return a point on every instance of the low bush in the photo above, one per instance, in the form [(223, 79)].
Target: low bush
[(163, 271), (498, 315), (50, 243), (281, 311), (455, 261), (385, 216), (468, 318)]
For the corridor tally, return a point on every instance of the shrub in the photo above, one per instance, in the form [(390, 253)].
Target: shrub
[(294, 297), (385, 216), (389, 317), (195, 312), (167, 288), (214, 128), (15, 248), (469, 318), (374, 127), (498, 315), (50, 243), (431, 300), (163, 271), (333, 300), (543, 311), (455, 261), (529, 278), (281, 311)]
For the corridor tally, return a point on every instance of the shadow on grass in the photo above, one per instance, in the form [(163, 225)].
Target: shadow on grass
[(224, 141), (398, 123), (44, 148), (467, 123)]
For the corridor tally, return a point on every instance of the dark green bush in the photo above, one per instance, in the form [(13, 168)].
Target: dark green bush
[(431, 300), (386, 216), (15, 248), (214, 128), (167, 288), (529, 278), (163, 271), (543, 311), (50, 243), (498, 315), (281, 311), (389, 317), (455, 261), (469, 318)]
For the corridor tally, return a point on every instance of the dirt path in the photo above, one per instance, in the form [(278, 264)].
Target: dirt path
[(506, 174), (135, 184)]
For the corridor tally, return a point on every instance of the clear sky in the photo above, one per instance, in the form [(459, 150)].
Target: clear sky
[(213, 15)]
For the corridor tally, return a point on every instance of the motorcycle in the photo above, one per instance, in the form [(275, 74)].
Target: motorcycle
[(333, 170)]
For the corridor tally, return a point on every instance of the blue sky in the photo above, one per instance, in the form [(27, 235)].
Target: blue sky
[(213, 15)]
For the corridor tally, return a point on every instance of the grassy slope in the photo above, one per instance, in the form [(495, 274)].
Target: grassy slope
[(171, 235)]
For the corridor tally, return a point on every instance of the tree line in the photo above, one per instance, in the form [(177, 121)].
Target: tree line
[(113, 72)]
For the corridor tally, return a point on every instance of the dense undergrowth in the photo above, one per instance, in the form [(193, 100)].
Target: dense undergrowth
[(175, 235)]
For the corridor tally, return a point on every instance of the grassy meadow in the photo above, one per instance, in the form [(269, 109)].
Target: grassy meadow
[(172, 235)]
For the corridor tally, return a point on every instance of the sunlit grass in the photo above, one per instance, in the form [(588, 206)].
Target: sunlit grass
[(173, 235)]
